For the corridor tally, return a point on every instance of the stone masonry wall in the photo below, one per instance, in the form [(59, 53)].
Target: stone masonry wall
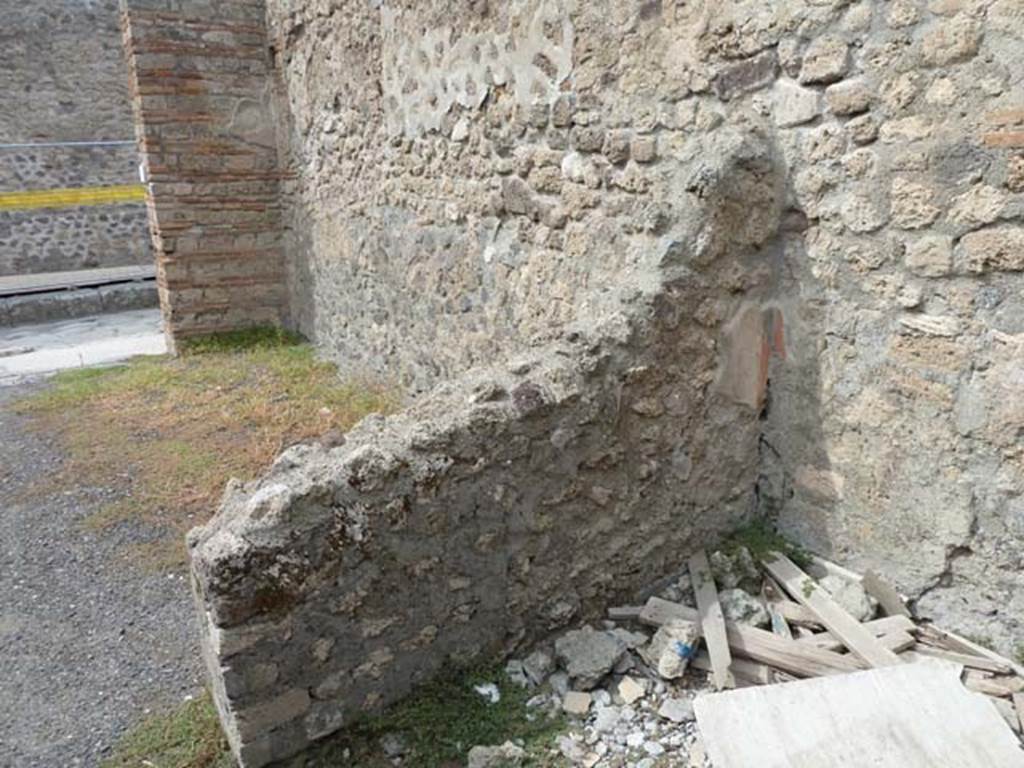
[(47, 101), (62, 73), (450, 184), (476, 185), (717, 257), (505, 504), (201, 89), (894, 436), (58, 239)]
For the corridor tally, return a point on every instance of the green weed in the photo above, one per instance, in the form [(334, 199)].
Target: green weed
[(761, 538), (187, 737), (441, 721)]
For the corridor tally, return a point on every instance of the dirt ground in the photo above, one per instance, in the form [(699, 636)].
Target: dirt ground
[(89, 642)]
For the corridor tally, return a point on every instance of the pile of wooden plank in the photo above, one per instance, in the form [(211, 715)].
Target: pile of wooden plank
[(812, 636)]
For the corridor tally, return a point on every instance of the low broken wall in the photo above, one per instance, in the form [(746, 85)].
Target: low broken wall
[(499, 508)]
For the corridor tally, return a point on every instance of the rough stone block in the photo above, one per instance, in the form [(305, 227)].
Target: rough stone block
[(793, 104), (950, 41), (931, 256), (254, 720), (826, 60), (753, 74), (851, 97), (911, 205), (993, 250)]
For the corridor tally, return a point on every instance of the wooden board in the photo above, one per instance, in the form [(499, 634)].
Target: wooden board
[(744, 669), (955, 642), (787, 655), (759, 645), (965, 659), (1003, 687), (907, 716), (805, 591), (895, 641), (834, 569), (658, 611), (885, 594), (712, 621), (887, 625), (795, 613)]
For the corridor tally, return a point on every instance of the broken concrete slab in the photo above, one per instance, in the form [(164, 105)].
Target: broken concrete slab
[(672, 647), (678, 710), (507, 755), (907, 716), (630, 690)]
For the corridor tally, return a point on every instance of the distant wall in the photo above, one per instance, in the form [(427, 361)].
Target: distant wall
[(63, 79), (54, 239), (440, 217), (62, 73)]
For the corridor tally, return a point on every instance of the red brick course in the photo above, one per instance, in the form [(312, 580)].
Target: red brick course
[(200, 81)]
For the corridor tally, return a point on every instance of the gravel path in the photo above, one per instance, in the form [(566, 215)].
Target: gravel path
[(88, 643)]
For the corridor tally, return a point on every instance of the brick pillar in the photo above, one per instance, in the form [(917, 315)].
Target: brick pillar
[(202, 93)]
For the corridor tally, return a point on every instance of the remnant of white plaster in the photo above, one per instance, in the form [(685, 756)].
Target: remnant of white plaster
[(425, 74)]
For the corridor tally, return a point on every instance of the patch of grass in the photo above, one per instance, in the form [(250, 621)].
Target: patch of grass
[(761, 538), (808, 587), (168, 433), (188, 737), (247, 339), (1018, 653), (441, 721)]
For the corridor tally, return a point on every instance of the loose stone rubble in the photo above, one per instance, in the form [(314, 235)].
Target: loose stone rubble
[(630, 711), (633, 719), (626, 709)]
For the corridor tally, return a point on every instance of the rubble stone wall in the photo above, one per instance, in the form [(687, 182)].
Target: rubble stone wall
[(456, 194), (62, 73), (47, 101), (79, 237), (658, 265), (201, 89), (507, 503), (893, 440)]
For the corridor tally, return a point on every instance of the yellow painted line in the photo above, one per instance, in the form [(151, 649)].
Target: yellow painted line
[(69, 198)]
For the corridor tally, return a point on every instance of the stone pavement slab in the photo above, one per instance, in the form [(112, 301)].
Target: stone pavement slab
[(32, 351)]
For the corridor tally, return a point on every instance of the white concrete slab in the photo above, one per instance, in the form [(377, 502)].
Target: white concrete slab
[(908, 716), (32, 351)]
